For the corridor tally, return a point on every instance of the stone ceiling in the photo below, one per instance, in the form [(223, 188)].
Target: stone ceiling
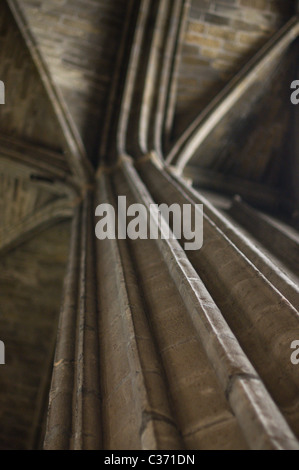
[(79, 41), (219, 38)]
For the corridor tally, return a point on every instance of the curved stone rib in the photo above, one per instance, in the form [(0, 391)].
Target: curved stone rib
[(173, 83), (61, 187), (149, 79), (74, 410), (77, 156), (131, 77), (136, 410), (40, 220), (255, 193), (284, 245), (191, 380), (87, 400), (160, 75), (194, 136), (184, 344), (60, 414), (108, 152), (263, 321), (152, 76)]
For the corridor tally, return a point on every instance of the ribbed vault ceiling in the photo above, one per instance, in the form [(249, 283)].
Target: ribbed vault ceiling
[(79, 41)]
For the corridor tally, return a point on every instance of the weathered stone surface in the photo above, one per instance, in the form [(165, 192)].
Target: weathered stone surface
[(30, 283), (157, 347), (227, 34), (79, 41)]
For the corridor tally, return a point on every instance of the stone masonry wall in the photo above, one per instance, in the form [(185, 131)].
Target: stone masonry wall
[(79, 40), (220, 36)]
